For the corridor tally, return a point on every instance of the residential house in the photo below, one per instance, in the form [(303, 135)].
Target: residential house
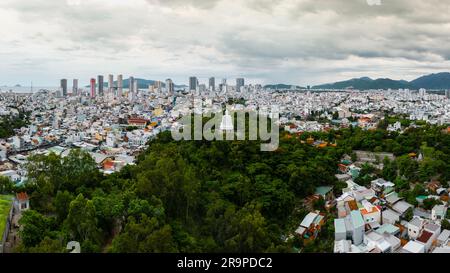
[(326, 192), (357, 222), (414, 247), (370, 212), (435, 231), (415, 227), (388, 228), (383, 243), (310, 226), (438, 212), (343, 246), (402, 207), (390, 217), (443, 238), (21, 202), (381, 186)]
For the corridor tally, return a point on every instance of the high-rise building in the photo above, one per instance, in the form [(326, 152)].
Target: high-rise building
[(111, 84), (92, 88), (136, 86), (422, 92), (100, 85), (170, 87), (75, 87), (240, 82), (202, 88), (131, 84), (212, 84), (64, 87), (119, 85), (157, 86), (193, 83)]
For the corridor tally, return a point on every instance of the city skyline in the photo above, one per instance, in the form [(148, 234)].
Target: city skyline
[(294, 42)]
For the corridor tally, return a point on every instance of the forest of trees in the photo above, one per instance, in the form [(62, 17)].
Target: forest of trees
[(199, 196), (9, 123)]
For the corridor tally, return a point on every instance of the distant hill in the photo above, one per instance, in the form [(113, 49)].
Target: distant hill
[(432, 81), (281, 86), (366, 83)]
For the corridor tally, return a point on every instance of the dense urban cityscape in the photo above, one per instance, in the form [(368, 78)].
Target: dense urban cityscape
[(373, 203), (228, 136)]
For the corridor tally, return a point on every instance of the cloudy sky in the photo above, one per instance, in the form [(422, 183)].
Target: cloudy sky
[(302, 42)]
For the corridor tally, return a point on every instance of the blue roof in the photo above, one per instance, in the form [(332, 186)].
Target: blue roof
[(391, 229), (357, 219), (323, 190)]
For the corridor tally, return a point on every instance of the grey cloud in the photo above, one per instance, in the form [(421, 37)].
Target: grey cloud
[(260, 38), (203, 4)]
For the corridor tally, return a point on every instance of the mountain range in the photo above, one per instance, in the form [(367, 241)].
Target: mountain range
[(438, 81), (282, 86), (432, 81)]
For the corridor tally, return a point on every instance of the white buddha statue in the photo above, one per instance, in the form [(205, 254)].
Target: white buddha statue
[(227, 122)]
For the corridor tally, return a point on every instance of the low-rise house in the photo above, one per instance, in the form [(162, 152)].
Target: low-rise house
[(438, 212), (392, 198), (414, 247), (390, 217), (343, 246), (346, 205), (370, 212), (420, 212), (383, 243), (381, 186), (388, 228), (426, 239), (343, 177), (351, 228), (402, 207), (415, 227), (363, 193), (326, 192), (310, 226), (443, 238), (21, 202), (441, 250), (429, 235)]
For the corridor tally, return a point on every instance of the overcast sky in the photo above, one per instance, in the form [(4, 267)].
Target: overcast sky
[(302, 42)]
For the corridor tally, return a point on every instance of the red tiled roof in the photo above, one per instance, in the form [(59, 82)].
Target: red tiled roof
[(137, 121), (22, 196), (425, 236)]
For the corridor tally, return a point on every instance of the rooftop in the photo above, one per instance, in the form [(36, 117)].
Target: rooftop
[(357, 219), (425, 237), (324, 190), (309, 219), (339, 226), (414, 247), (391, 229), (22, 196)]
